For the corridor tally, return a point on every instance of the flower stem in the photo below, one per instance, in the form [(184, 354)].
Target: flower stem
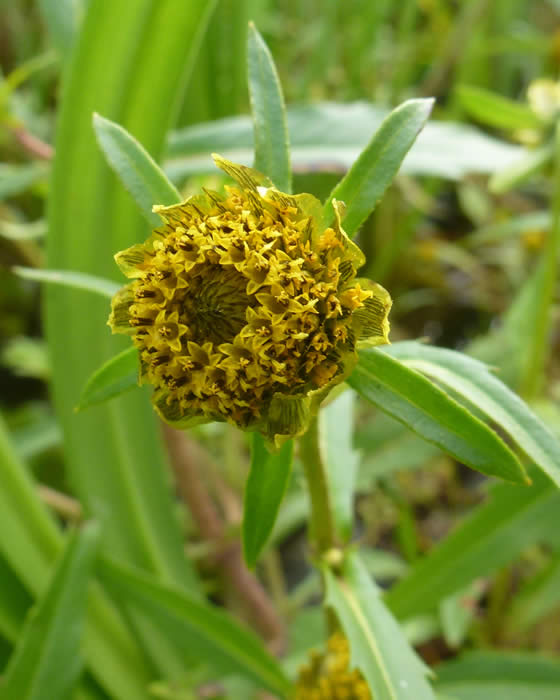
[(321, 527)]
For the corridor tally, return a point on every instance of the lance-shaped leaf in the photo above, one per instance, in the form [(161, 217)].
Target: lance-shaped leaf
[(135, 167), (471, 380), (413, 400), (366, 181), (197, 629), (491, 536), (114, 377), (377, 644), (264, 491), (47, 661), (272, 150)]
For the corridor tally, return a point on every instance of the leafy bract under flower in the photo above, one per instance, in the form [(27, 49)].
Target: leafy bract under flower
[(244, 309)]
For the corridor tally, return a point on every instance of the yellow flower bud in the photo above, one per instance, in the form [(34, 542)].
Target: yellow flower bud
[(245, 309)]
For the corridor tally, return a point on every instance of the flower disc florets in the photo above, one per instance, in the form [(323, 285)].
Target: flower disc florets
[(328, 675), (244, 309)]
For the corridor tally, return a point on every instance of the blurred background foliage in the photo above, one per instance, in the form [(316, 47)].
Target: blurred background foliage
[(462, 260)]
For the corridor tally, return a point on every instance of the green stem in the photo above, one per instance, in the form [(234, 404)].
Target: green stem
[(321, 525), (548, 275)]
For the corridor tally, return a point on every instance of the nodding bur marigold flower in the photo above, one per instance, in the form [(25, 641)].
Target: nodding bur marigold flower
[(245, 309), (327, 677)]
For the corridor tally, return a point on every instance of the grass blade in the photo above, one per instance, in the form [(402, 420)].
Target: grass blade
[(272, 150), (46, 662), (493, 535), (196, 628), (366, 181), (413, 400), (264, 491)]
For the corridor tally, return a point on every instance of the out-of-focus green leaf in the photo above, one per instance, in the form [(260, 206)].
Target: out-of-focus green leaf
[(66, 278), (62, 18), (23, 231), (336, 425), (387, 446), (515, 226), (495, 110), (272, 150), (500, 676), (135, 168), (47, 660), (368, 178), (539, 597), (521, 170), (14, 602), (15, 179), (114, 377), (26, 357), (196, 628), (491, 536), (472, 381), (30, 542), (329, 137), (377, 645), (427, 410), (264, 491)]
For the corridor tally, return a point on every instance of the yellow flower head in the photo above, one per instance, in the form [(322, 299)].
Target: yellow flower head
[(245, 309), (328, 676)]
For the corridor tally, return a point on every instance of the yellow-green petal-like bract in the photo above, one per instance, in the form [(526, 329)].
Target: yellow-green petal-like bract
[(244, 309)]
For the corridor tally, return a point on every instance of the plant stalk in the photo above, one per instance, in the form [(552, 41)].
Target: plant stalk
[(322, 532)]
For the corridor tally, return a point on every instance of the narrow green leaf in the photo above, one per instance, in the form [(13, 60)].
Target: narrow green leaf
[(515, 226), (539, 597), (495, 110), (264, 491), (413, 400), (336, 427), (66, 278), (499, 675), (377, 644), (114, 377), (15, 179), (29, 543), (471, 380), (23, 231), (197, 629), (136, 169), (490, 537), (47, 660), (366, 181), (14, 602), (272, 150)]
